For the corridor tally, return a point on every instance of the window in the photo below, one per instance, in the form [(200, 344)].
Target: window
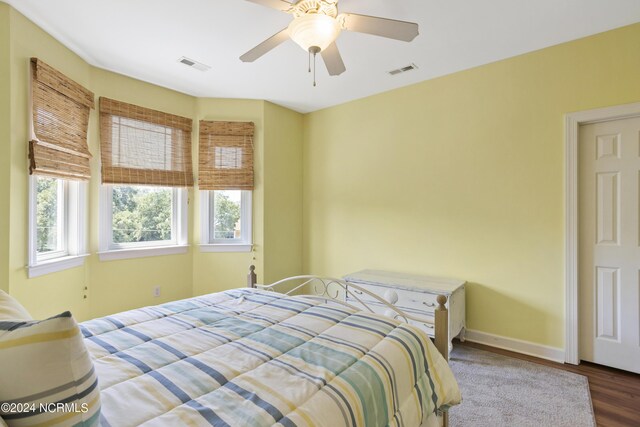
[(51, 194), (135, 217), (226, 182), (59, 168), (146, 163), (142, 215), (226, 221), (56, 224)]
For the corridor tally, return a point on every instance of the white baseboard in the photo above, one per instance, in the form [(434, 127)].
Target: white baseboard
[(519, 346)]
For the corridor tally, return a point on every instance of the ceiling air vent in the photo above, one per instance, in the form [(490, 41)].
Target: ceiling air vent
[(194, 64), (397, 71)]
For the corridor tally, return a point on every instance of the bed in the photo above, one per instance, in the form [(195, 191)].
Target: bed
[(255, 357)]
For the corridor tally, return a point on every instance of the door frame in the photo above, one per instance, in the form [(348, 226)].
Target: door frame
[(573, 121)]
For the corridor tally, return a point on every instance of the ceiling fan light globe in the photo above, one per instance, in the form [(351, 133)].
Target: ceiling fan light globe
[(314, 30)]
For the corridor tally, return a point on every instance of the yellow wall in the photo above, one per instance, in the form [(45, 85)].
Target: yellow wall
[(52, 293), (5, 122), (283, 193), (462, 176), (277, 198), (119, 285), (134, 278), (213, 272)]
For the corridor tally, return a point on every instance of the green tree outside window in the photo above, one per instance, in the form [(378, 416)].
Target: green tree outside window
[(227, 216), (141, 214)]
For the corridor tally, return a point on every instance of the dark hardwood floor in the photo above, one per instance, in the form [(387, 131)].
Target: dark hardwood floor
[(615, 394)]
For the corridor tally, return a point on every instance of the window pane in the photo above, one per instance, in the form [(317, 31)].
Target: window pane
[(48, 215), (226, 214), (228, 157), (141, 145), (142, 214)]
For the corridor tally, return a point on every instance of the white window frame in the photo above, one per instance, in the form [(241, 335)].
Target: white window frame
[(63, 198), (73, 214), (114, 251), (244, 243)]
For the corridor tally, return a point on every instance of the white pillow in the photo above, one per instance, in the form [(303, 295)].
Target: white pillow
[(43, 364), (11, 309)]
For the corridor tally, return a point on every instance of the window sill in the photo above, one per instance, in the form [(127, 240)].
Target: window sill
[(55, 265), (142, 252), (226, 248)]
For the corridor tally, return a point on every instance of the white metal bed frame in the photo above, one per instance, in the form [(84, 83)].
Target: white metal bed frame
[(330, 289)]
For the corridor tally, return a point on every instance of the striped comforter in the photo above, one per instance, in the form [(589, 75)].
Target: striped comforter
[(254, 358)]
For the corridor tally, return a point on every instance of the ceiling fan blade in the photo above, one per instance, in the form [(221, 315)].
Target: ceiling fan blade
[(390, 28), (282, 5), (333, 60), (267, 45)]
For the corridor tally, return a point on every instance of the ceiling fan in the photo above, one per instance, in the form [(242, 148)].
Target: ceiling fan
[(317, 25)]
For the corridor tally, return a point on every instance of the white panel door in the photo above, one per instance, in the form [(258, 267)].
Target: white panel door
[(609, 243)]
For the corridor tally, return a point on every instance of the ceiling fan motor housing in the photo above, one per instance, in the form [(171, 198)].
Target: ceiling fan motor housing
[(323, 7)]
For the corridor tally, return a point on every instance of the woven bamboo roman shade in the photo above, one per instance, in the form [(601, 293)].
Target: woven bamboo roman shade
[(143, 146), (60, 120), (226, 156)]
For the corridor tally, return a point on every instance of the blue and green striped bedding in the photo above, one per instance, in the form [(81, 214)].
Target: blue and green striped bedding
[(253, 358)]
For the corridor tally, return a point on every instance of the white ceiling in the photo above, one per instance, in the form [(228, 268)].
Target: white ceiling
[(145, 38)]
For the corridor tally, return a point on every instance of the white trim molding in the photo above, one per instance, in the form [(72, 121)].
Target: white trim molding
[(519, 346), (225, 248), (55, 265), (143, 252), (573, 121)]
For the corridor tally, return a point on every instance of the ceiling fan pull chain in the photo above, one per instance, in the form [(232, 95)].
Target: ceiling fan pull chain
[(314, 69), (313, 50)]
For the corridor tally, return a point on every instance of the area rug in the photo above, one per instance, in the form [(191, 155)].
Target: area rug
[(503, 391)]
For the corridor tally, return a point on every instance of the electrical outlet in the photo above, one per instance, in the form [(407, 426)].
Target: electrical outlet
[(156, 291)]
